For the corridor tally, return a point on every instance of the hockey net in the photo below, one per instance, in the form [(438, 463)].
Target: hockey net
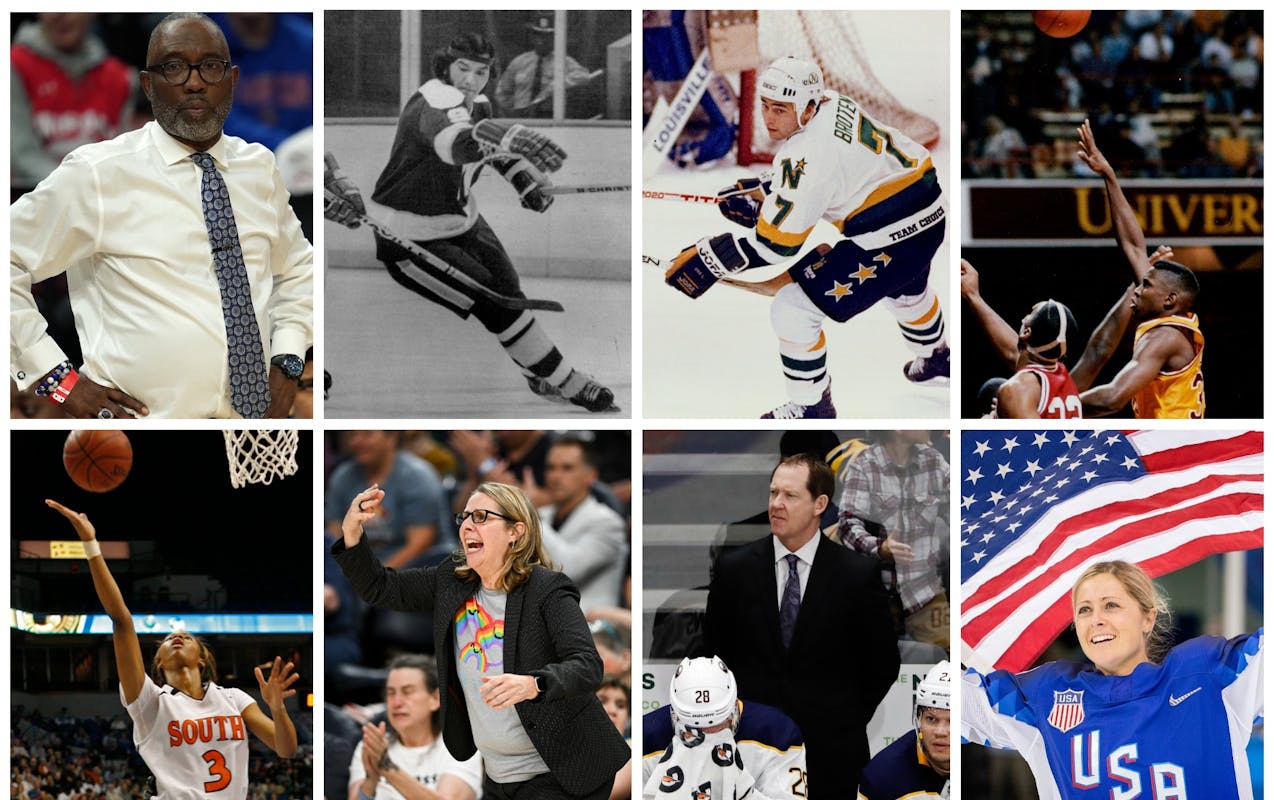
[(260, 456), (831, 40)]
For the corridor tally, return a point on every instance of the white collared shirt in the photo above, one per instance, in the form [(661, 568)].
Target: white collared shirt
[(805, 562), (124, 220)]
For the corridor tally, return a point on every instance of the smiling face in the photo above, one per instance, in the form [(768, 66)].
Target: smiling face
[(935, 737), (409, 703), (194, 112), (1111, 625), (794, 512), (486, 544), (469, 76)]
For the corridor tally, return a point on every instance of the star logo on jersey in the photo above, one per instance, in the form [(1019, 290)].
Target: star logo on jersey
[(839, 290), (791, 175), (864, 272), (1068, 710), (883, 257)]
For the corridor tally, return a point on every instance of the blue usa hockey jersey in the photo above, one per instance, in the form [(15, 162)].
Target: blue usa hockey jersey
[(1169, 731)]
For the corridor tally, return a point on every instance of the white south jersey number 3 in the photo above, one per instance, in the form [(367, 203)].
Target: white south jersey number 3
[(1167, 779)]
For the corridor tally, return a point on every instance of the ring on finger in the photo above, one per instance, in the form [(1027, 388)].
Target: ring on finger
[(360, 505), (105, 413)]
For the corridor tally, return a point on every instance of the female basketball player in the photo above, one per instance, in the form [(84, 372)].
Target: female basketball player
[(1141, 720), (191, 732)]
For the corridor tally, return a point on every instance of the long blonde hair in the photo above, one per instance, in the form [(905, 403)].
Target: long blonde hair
[(526, 551), (1144, 592)]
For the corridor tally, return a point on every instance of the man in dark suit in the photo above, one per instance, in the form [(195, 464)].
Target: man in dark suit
[(805, 626)]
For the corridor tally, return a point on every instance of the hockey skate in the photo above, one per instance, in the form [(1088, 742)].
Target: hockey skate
[(592, 395), (823, 409), (545, 389), (932, 370)]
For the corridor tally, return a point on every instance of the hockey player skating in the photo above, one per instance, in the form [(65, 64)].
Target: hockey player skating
[(1140, 721), (708, 743), (918, 763), (877, 186), (445, 136)]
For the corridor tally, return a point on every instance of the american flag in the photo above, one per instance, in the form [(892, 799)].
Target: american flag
[(1038, 506)]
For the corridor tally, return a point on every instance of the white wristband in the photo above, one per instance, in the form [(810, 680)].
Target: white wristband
[(92, 549)]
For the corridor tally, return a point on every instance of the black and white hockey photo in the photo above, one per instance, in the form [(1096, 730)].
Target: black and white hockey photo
[(478, 205)]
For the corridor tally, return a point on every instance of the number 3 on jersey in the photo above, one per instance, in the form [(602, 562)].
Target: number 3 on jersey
[(218, 770)]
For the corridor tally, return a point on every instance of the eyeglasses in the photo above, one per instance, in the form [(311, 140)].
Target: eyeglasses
[(479, 516), (211, 70)]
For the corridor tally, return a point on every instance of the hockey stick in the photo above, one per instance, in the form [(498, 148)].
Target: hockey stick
[(504, 301), (768, 288), (650, 194), (589, 189), (655, 194)]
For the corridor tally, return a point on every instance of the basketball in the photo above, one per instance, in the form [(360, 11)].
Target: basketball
[(1060, 24), (97, 461)]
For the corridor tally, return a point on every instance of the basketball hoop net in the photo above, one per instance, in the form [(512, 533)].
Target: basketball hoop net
[(260, 456)]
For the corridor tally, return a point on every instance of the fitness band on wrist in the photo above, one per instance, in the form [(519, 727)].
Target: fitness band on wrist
[(59, 393)]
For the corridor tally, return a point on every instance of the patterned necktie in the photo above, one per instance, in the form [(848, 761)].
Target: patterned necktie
[(791, 604), (249, 378)]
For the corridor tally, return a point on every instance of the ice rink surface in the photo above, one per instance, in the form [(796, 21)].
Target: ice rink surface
[(716, 357), (394, 354)]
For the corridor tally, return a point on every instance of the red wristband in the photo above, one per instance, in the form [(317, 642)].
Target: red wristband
[(58, 395)]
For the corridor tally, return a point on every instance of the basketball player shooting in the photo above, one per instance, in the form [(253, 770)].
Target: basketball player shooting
[(877, 186), (191, 733), (1164, 378)]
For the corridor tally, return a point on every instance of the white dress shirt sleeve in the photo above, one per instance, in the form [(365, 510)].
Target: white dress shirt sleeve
[(50, 229), (291, 305)]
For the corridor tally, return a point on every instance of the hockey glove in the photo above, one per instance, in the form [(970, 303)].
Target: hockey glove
[(741, 202), (540, 150), (342, 202), (529, 184), (703, 263)]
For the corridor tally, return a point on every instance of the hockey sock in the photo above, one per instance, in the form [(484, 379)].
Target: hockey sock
[(805, 369), (532, 350), (920, 320)]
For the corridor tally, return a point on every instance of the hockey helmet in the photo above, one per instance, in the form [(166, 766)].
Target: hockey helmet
[(469, 46), (1052, 327), (792, 80), (703, 693), (935, 690)]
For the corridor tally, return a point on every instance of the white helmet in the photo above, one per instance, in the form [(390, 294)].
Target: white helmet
[(935, 690), (703, 693), (792, 80)]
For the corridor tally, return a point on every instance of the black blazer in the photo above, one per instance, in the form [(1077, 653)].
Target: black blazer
[(545, 635), (843, 658)]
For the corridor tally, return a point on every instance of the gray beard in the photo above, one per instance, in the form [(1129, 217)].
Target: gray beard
[(169, 118)]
